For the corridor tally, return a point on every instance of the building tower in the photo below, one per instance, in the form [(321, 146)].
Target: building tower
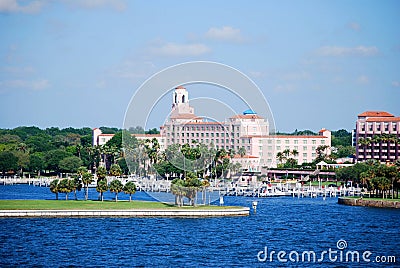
[(180, 102)]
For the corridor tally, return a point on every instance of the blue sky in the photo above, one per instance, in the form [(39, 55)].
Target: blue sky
[(78, 63)]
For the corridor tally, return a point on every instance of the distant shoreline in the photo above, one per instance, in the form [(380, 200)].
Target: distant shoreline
[(368, 202)]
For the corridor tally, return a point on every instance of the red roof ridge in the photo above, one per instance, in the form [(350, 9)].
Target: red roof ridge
[(375, 114)]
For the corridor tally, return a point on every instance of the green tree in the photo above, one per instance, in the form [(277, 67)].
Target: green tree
[(36, 163), (70, 164), (54, 187), (65, 186), (101, 173), (8, 162), (242, 151), (116, 187), (101, 188), (87, 178), (129, 188), (53, 158), (115, 170), (76, 185)]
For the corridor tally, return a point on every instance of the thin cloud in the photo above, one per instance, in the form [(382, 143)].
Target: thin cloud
[(180, 50), (396, 83), (12, 6), (35, 85), (336, 51), (118, 5), (363, 79), (354, 26), (225, 33), (285, 88)]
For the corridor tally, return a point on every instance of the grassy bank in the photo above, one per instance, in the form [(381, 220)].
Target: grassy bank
[(92, 205)]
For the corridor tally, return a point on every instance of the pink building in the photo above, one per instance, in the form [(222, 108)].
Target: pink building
[(247, 130), (372, 124)]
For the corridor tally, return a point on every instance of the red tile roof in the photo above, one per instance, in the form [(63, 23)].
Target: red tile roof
[(375, 114), (383, 119), (180, 87)]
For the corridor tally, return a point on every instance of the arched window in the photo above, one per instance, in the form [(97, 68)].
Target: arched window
[(176, 98), (183, 99)]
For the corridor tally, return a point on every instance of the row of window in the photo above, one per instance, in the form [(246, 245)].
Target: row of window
[(379, 126), (202, 134), (203, 128)]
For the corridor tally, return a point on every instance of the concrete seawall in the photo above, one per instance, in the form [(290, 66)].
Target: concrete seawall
[(368, 202), (126, 213)]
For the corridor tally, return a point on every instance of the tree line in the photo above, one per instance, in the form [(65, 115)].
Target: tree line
[(84, 178), (380, 180)]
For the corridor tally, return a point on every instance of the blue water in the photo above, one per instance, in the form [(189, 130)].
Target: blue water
[(280, 224)]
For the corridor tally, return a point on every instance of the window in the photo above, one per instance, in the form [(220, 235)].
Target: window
[(217, 134), (207, 134), (278, 148), (216, 140), (304, 155), (296, 148), (270, 148), (314, 142), (212, 134), (202, 134), (183, 140), (378, 127), (197, 134), (192, 134), (322, 141), (286, 141), (304, 141), (222, 134), (254, 128), (287, 147), (296, 142), (278, 141), (304, 148), (394, 126), (313, 148)]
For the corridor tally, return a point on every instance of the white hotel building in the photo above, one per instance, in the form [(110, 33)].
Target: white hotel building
[(247, 130)]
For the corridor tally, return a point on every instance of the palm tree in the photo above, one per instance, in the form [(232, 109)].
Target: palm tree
[(76, 184), (65, 186), (242, 151), (116, 187), (130, 188), (87, 178), (280, 156), (102, 187), (54, 187), (205, 184), (101, 173), (115, 170)]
